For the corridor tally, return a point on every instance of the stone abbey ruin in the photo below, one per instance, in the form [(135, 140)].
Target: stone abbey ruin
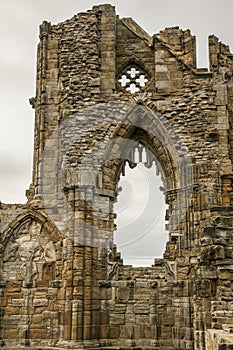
[(105, 88)]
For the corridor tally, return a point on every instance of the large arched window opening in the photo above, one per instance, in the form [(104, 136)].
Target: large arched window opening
[(140, 235)]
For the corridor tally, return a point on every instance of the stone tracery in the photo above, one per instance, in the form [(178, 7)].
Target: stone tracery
[(133, 79)]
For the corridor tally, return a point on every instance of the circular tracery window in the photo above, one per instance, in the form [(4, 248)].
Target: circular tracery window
[(133, 79)]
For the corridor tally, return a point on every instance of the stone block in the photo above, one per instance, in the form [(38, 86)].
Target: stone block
[(117, 319)]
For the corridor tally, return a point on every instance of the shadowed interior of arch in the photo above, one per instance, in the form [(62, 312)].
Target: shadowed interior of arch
[(140, 235)]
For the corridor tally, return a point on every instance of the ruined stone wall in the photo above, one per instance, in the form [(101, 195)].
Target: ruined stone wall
[(103, 86)]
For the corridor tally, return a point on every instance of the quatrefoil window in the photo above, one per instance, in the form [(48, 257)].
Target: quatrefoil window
[(133, 79)]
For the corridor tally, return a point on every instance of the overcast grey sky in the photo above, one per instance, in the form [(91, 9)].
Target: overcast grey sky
[(19, 22)]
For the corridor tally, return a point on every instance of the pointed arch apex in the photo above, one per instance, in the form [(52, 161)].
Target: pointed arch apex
[(30, 215)]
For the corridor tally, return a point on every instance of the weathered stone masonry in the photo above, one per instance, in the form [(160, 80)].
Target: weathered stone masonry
[(103, 86)]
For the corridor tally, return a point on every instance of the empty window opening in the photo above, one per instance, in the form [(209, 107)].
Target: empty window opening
[(140, 236)]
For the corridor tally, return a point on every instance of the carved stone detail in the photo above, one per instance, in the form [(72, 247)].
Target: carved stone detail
[(112, 269), (170, 271), (29, 247)]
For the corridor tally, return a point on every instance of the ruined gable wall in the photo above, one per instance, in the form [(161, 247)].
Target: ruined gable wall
[(82, 115)]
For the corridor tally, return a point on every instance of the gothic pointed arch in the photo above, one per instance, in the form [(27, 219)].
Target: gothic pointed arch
[(142, 124), (30, 260), (30, 244)]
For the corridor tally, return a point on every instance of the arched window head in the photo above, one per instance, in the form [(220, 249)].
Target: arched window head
[(133, 79)]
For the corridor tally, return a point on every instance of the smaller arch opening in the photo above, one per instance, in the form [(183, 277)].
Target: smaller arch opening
[(141, 236)]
